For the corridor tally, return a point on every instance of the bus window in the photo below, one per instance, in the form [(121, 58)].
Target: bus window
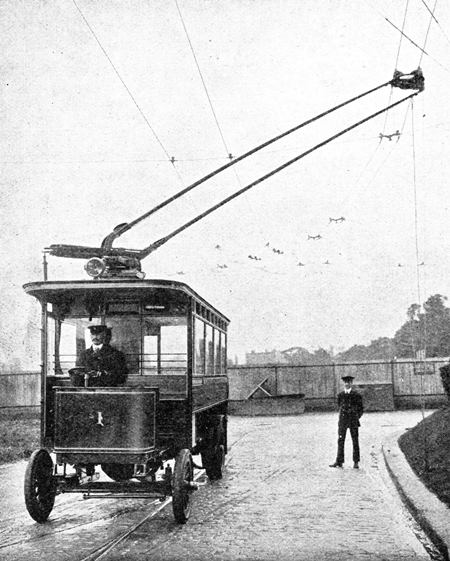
[(199, 328), (150, 363), (67, 346), (217, 352), (209, 347), (174, 349), (223, 356), (165, 345)]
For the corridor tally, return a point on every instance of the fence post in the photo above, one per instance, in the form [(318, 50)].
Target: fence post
[(276, 380), (335, 381)]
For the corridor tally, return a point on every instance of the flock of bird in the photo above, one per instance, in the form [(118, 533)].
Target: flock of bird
[(278, 251)]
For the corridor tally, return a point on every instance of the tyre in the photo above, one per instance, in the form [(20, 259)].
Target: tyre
[(40, 485), (213, 456), (119, 472), (183, 475), (213, 460)]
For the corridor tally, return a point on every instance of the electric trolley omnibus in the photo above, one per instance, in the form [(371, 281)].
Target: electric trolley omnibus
[(173, 403)]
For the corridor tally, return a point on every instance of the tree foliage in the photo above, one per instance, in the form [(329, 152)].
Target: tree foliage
[(427, 330)]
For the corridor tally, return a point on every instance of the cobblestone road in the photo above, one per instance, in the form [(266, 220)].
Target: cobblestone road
[(279, 500)]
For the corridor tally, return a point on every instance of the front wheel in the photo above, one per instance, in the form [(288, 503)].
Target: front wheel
[(40, 485), (183, 476)]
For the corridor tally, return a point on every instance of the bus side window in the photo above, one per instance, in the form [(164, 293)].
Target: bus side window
[(152, 344)]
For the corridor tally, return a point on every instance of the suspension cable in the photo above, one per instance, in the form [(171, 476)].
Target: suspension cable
[(152, 247)]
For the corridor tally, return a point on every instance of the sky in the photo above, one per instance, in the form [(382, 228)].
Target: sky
[(98, 96)]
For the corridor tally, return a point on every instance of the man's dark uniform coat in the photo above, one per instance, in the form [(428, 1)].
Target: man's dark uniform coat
[(350, 411), (107, 360)]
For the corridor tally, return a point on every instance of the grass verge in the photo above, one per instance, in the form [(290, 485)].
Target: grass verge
[(19, 436), (427, 449)]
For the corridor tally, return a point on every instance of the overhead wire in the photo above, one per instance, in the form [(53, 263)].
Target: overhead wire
[(202, 78), (435, 19), (396, 59), (413, 42), (386, 115), (113, 66), (428, 31), (401, 34), (416, 220), (422, 336), (219, 128)]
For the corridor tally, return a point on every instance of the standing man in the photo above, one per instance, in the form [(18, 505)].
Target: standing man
[(350, 405), (108, 364)]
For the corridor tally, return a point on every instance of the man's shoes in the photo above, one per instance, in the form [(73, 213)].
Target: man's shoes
[(335, 465), (356, 465)]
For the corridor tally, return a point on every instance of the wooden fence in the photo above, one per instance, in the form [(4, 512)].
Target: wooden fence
[(20, 389), (386, 384)]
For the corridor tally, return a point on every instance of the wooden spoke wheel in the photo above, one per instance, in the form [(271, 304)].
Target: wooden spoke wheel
[(183, 476), (118, 472), (40, 485)]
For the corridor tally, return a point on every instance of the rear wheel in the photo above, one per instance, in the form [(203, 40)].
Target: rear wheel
[(213, 456), (119, 472), (40, 486), (183, 475), (213, 460)]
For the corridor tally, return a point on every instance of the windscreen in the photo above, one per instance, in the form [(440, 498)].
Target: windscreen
[(153, 345)]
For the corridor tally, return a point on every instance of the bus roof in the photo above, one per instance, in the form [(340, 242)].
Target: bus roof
[(53, 291)]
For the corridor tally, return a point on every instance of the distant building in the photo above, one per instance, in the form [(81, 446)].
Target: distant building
[(264, 358)]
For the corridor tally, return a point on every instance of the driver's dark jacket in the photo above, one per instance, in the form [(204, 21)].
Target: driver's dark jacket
[(107, 360), (350, 408)]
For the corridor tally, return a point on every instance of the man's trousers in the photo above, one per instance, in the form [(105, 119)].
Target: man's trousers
[(342, 430)]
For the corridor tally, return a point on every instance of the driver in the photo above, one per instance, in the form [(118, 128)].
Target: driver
[(106, 364)]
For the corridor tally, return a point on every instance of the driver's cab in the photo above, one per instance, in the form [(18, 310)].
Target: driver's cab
[(171, 338)]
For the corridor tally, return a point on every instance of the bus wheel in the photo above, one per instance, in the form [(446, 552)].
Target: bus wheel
[(213, 460), (40, 485), (213, 457), (182, 486), (119, 472)]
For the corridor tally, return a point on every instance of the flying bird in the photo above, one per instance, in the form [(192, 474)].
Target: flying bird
[(318, 237), (340, 219)]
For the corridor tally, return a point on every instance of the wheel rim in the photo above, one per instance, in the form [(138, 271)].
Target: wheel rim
[(181, 486), (40, 489), (42, 483), (186, 492)]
